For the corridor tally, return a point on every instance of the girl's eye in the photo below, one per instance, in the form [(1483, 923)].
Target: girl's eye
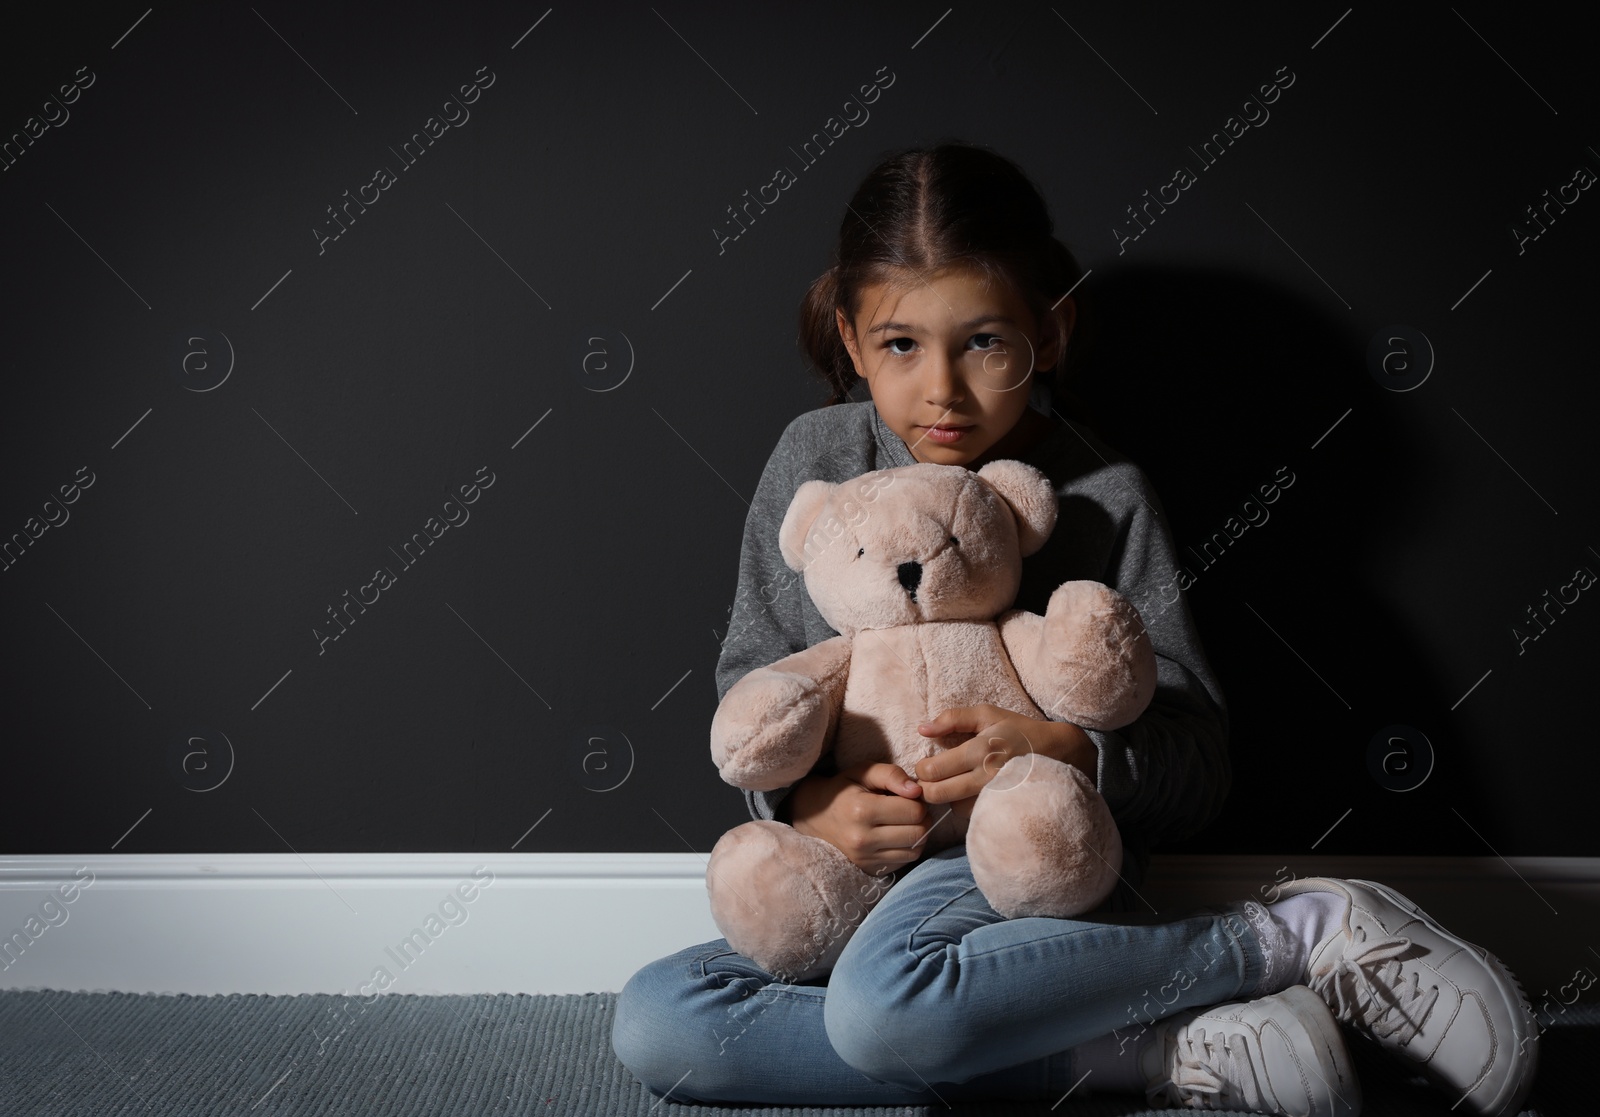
[(995, 341)]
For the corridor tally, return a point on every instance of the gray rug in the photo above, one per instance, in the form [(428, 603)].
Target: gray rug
[(114, 1053)]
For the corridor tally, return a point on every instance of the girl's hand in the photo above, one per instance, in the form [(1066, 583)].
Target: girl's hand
[(870, 813), (961, 771)]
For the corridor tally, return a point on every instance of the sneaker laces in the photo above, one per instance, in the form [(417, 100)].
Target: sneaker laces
[(1208, 1071), (1369, 988)]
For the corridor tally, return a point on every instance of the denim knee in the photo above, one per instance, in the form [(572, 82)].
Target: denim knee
[(650, 1034), (886, 1040), (635, 1035), (672, 1021)]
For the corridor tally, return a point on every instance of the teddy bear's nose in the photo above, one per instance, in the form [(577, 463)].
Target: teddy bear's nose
[(910, 576)]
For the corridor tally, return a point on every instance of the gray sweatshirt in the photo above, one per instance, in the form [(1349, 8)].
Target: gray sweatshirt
[(1164, 776)]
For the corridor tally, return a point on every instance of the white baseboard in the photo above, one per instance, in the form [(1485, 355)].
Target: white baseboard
[(584, 922)]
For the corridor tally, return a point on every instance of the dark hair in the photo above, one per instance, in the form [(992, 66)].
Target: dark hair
[(923, 210)]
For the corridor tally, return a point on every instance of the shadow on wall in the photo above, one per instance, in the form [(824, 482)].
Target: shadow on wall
[(1219, 385)]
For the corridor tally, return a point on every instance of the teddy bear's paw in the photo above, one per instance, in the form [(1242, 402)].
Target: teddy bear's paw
[(1042, 840), (1096, 648), (769, 729), (786, 901)]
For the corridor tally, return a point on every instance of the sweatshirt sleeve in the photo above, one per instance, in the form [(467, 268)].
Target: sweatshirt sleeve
[(766, 622), (1166, 775)]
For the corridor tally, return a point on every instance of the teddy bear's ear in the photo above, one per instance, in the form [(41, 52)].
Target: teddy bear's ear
[(1030, 495), (803, 510)]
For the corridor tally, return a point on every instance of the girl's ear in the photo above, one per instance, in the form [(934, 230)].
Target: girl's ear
[(848, 336), (807, 504), (1055, 331)]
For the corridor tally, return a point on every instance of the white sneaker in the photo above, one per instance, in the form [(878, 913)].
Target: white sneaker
[(1276, 1054), (1450, 1009)]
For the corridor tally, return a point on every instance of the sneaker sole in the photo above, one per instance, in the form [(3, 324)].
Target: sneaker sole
[(1318, 1020), (1516, 1089)]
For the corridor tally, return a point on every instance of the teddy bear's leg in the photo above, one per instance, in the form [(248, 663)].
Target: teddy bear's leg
[(1042, 840), (786, 901)]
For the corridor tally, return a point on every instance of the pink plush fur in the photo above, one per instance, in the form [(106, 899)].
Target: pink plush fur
[(916, 568)]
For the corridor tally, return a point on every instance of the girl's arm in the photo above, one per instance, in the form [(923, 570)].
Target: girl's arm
[(766, 622), (1166, 775)]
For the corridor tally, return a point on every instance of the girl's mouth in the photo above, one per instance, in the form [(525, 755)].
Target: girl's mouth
[(947, 435)]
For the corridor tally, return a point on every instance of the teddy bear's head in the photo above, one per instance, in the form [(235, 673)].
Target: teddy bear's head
[(917, 543)]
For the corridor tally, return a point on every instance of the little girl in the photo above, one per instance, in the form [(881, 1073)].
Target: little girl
[(949, 302)]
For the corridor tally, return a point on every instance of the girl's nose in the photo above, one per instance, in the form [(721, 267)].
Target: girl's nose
[(943, 386)]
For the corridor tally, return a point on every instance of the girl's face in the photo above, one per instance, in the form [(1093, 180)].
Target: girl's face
[(953, 351)]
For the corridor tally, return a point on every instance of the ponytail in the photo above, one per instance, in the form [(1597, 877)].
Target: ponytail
[(819, 339)]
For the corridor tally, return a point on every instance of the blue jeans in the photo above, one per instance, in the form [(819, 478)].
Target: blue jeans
[(936, 996)]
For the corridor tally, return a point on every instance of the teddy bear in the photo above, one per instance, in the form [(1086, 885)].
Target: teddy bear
[(916, 568)]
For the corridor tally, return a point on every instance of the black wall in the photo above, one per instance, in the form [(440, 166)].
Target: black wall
[(544, 301)]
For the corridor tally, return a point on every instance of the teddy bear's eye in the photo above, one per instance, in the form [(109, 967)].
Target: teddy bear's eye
[(861, 552), (956, 541)]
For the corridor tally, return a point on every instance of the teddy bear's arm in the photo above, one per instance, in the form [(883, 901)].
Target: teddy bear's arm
[(772, 725), (1088, 660)]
